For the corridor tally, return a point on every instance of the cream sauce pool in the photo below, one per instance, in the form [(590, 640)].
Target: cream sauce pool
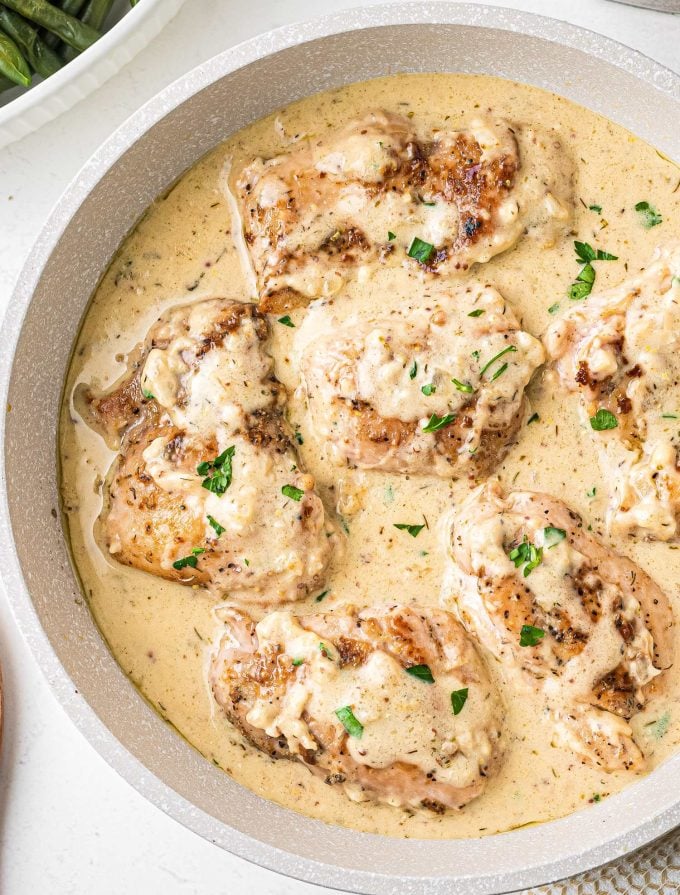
[(187, 248)]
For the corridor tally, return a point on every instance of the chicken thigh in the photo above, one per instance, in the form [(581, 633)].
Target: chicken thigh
[(391, 703), (207, 487), (562, 613), (620, 351), (438, 390), (376, 190)]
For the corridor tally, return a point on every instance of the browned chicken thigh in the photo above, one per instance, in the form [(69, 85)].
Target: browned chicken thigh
[(434, 391), (207, 487), (377, 190), (392, 703), (563, 614), (620, 351)]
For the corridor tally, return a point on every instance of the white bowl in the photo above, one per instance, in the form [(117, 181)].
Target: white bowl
[(132, 30)]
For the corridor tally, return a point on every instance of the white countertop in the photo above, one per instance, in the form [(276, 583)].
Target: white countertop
[(68, 823)]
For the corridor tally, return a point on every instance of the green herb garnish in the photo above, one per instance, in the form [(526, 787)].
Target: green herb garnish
[(190, 561), (413, 530), (298, 437), (533, 419), (595, 208), (292, 492), (422, 672), (420, 250), (219, 529), (603, 419), (553, 309), (499, 372), (439, 422), (147, 394), (463, 386), (527, 555), (324, 593), (218, 472), (458, 700), (413, 371), (650, 217), (669, 416), (346, 717), (286, 321), (428, 389), (592, 492), (477, 313), (325, 652), (585, 254), (496, 357), (530, 636), (297, 662), (391, 236), (552, 536)]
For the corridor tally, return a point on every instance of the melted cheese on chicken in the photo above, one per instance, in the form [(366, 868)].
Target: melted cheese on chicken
[(439, 390), (294, 680), (562, 613), (621, 350), (370, 190)]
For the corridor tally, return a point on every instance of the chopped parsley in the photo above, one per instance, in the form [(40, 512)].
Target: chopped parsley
[(298, 437), (603, 419), (496, 357), (391, 236), (346, 717), (422, 672), (324, 593), (413, 371), (420, 250), (292, 492), (499, 372), (463, 386), (219, 529), (595, 208), (147, 394), (649, 216), (413, 530), (325, 652), (286, 321), (592, 492), (458, 700), (190, 561), (669, 416), (477, 313), (428, 389), (297, 662), (439, 422), (530, 636), (528, 555), (552, 536), (597, 797), (218, 472), (553, 309), (585, 255), (534, 418)]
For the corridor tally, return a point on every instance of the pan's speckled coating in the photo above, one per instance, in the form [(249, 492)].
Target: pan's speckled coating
[(141, 159)]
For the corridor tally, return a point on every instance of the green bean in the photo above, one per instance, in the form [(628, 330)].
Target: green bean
[(94, 14), (72, 31), (72, 7), (12, 63), (40, 57)]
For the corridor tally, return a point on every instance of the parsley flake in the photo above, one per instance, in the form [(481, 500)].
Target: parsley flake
[(596, 208), (603, 419), (413, 371), (528, 555), (413, 530), (534, 418), (147, 394), (458, 700), (218, 472), (530, 636), (391, 236), (348, 720), (420, 250), (477, 313), (292, 492), (439, 422), (428, 389), (297, 662), (286, 321), (324, 593), (463, 386), (649, 216), (553, 309), (219, 529), (592, 492), (552, 536), (190, 561), (496, 357), (421, 672)]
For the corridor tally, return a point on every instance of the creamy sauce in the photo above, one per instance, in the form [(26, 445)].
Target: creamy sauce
[(187, 248)]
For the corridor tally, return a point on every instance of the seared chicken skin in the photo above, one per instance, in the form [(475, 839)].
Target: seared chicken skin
[(436, 391), (562, 613), (391, 703), (367, 191), (207, 487), (621, 351)]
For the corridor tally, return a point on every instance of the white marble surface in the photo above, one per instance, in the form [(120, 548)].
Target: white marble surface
[(68, 824)]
